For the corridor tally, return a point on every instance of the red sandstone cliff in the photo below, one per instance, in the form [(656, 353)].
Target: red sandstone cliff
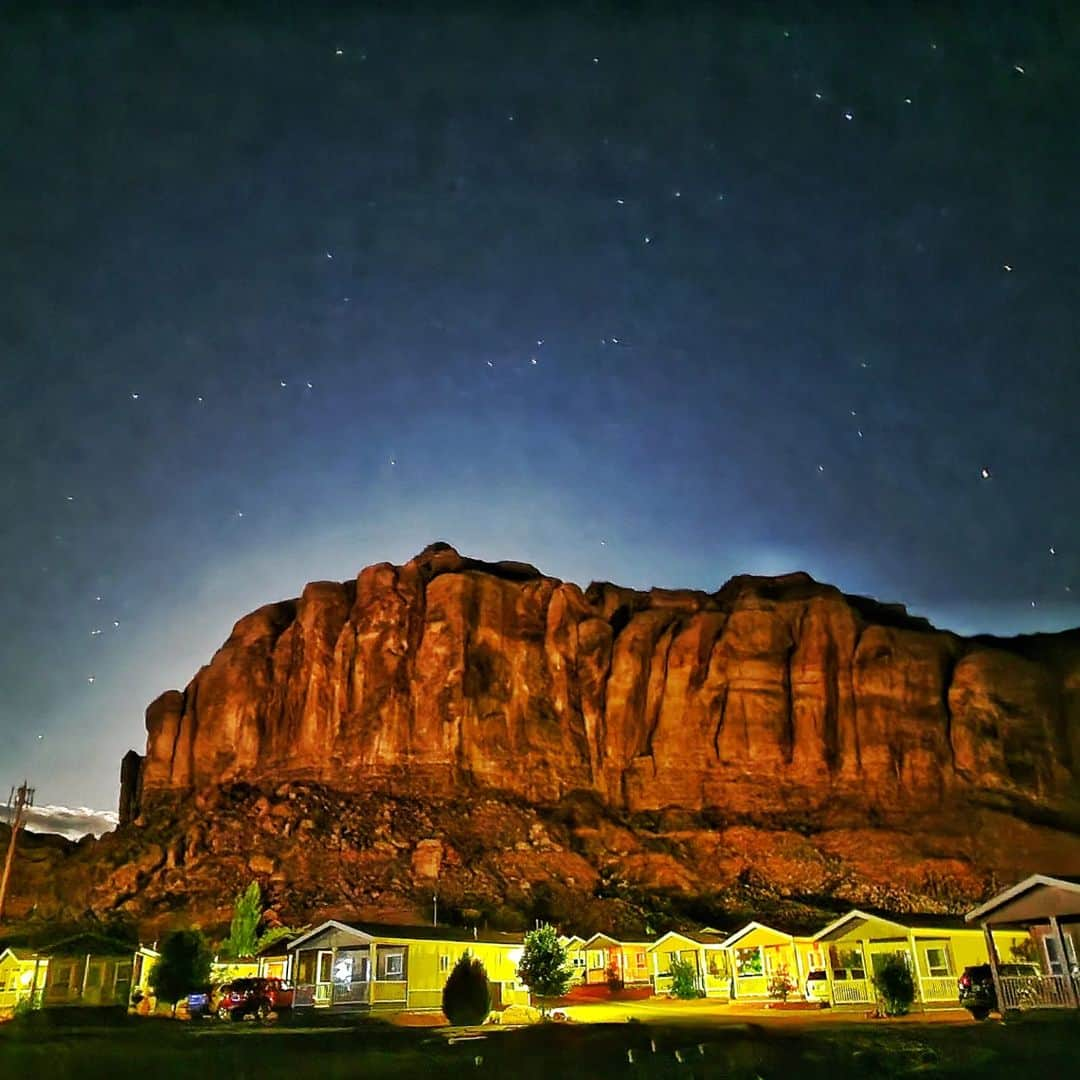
[(770, 697)]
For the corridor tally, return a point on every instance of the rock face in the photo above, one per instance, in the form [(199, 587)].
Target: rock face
[(607, 759), (772, 698)]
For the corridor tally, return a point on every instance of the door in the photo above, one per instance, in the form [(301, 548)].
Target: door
[(324, 976)]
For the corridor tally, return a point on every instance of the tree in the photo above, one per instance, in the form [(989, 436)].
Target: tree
[(683, 979), (244, 939), (544, 968), (184, 966), (894, 985), (466, 998)]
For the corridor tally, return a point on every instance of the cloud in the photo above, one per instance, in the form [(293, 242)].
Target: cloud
[(72, 822)]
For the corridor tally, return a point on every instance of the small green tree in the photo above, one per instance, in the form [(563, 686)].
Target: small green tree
[(466, 998), (244, 939), (683, 979), (544, 968), (184, 966), (894, 985)]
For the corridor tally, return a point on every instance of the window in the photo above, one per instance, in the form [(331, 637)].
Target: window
[(62, 976), (93, 976), (596, 958), (578, 959), (748, 963), (937, 962), (1053, 955), (395, 965), (714, 965), (444, 962)]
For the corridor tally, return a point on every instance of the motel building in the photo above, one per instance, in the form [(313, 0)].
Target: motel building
[(608, 959), (703, 950), (1046, 910), (936, 949), (760, 954), (393, 968)]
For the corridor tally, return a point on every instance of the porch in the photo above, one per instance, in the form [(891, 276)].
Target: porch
[(1047, 975)]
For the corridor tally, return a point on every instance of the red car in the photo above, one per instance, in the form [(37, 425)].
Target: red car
[(252, 997)]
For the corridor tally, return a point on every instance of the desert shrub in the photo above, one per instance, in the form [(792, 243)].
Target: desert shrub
[(894, 985), (683, 979), (466, 998), (780, 984)]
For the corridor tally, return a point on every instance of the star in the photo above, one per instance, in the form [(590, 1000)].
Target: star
[(984, 472), (90, 679), (1018, 69), (239, 513), (282, 383), (94, 633), (821, 468), (603, 543), (817, 94), (648, 239), (539, 342), (98, 599), (620, 202), (1034, 603), (40, 737), (339, 52), (860, 433), (134, 397), (678, 194), (1052, 551), (491, 363), (596, 59), (532, 359), (198, 398), (70, 498), (393, 461), (309, 386), (849, 115), (1007, 268), (116, 624), (907, 101), (329, 254)]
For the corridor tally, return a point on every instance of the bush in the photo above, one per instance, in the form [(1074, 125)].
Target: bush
[(894, 985), (614, 977), (781, 984), (466, 998), (683, 979)]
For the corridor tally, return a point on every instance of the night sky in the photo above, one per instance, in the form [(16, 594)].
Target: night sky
[(650, 300)]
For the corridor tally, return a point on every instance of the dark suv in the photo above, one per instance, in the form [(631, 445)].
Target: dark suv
[(252, 997), (976, 987)]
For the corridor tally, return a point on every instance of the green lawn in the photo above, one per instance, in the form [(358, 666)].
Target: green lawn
[(81, 1047)]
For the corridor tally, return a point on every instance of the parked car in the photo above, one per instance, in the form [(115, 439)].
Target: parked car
[(976, 987), (817, 986), (251, 997), (197, 1003)]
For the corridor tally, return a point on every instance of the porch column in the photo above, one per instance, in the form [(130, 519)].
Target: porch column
[(1066, 970), (991, 950), (333, 967), (703, 971), (915, 968), (867, 972), (799, 973), (85, 976), (827, 957), (655, 973), (373, 957)]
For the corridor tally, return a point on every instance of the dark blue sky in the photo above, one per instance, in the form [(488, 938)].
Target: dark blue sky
[(789, 283)]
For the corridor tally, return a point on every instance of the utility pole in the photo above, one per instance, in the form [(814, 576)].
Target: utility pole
[(18, 801)]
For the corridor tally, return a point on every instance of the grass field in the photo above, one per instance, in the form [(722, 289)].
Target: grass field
[(1041, 1046)]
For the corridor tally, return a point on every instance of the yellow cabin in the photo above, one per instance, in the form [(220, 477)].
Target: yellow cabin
[(761, 955), (366, 966), (21, 973), (609, 960), (936, 948), (703, 949), (575, 956)]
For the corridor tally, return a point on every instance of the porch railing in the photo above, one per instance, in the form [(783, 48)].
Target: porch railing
[(851, 992), (351, 992), (939, 988), (1035, 992)]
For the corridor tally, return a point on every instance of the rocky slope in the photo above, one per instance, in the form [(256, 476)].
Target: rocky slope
[(523, 745)]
